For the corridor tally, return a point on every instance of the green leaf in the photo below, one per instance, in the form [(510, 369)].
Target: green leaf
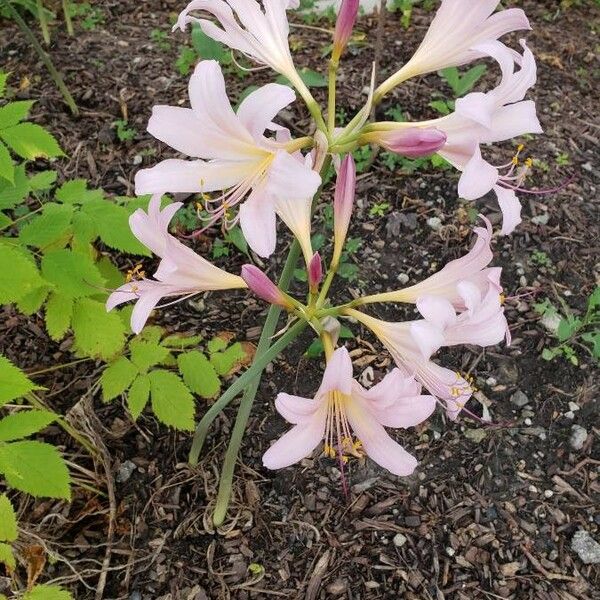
[(3, 80), (180, 341), (8, 520), (236, 237), (216, 344), (13, 382), (310, 77), (7, 168), (138, 396), (52, 225), (47, 592), (76, 192), (98, 333), (172, 402), (441, 106), (24, 423), (112, 276), (59, 310), (30, 141), (18, 275), (84, 232), (223, 362), (32, 302), (7, 558), (593, 338), (117, 377), (145, 355), (199, 374), (315, 350), (112, 223), (43, 180), (14, 112), (207, 48), (73, 274), (13, 194), (36, 468), (151, 333)]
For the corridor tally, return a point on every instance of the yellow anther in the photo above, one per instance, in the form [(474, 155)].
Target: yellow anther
[(529, 163), (135, 289), (520, 148), (502, 298), (199, 206), (515, 160)]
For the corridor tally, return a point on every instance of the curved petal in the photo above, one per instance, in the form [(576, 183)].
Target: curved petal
[(396, 383), (376, 441), (291, 178), (510, 207), (512, 121), (151, 228), (437, 310), (338, 374), (257, 220), (297, 443), (427, 337), (261, 106), (478, 178), (147, 301), (296, 214), (295, 409), (120, 296)]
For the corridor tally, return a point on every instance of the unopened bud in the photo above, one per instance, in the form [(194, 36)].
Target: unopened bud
[(343, 204), (263, 287), (343, 27), (315, 272), (413, 142)]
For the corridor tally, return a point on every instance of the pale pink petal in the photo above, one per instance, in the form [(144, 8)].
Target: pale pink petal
[(338, 374), (261, 106), (291, 178), (510, 207), (512, 121), (257, 220), (146, 303), (396, 383), (295, 409), (181, 129), (407, 411), (428, 338), (376, 442), (437, 310), (478, 107), (297, 443), (478, 178), (120, 296)]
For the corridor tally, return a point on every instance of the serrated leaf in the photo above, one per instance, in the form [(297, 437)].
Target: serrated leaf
[(226, 361), (76, 192), (36, 468), (180, 340), (7, 167), (59, 310), (138, 396), (217, 344), (151, 333), (98, 334), (12, 194), (117, 377), (52, 225), (3, 80), (7, 558), (47, 592), (8, 520), (112, 223), (30, 141), (199, 374), (145, 355), (43, 180), (13, 382), (172, 402), (14, 112), (24, 423), (32, 302), (18, 275), (206, 47), (72, 274), (112, 276)]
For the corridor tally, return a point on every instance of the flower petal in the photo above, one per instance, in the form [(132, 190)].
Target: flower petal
[(427, 337), (437, 310), (338, 374), (292, 178), (257, 220), (478, 178), (296, 409), (510, 207)]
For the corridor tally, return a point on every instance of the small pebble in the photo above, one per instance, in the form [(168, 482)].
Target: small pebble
[(435, 223), (450, 551), (548, 493), (399, 540), (519, 399), (579, 435)]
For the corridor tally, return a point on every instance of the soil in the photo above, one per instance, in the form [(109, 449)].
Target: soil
[(490, 512)]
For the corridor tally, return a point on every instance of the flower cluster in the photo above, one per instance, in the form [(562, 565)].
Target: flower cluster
[(248, 169)]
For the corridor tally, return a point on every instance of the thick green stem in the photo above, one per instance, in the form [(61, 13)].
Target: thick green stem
[(260, 362), (66, 4), (333, 67), (56, 76), (41, 14)]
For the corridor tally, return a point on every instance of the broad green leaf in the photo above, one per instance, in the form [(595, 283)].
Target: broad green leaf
[(14, 112), (111, 274), (36, 468), (138, 396), (199, 374), (593, 338), (309, 77), (216, 344), (52, 226), (7, 557), (145, 355), (207, 48), (76, 192), (72, 273), (32, 302), (13, 382), (112, 223), (59, 310), (30, 141), (3, 80), (225, 361), (172, 402), (43, 180), (84, 233), (18, 275), (8, 520), (180, 340), (47, 592), (151, 333), (13, 194), (24, 423), (7, 168), (98, 333), (117, 377)]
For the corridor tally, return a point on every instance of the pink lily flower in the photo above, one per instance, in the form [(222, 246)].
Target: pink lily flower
[(181, 271), (457, 29), (343, 410), (260, 34), (259, 173), (411, 344)]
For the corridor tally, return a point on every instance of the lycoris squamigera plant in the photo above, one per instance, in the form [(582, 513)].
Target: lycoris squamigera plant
[(248, 169)]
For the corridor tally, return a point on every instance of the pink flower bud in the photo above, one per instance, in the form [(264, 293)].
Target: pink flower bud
[(413, 142), (315, 271), (343, 27), (343, 203), (263, 287)]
